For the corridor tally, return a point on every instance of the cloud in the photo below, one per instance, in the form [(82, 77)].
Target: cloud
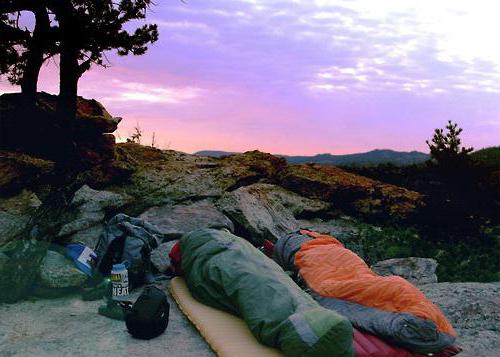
[(404, 42), (189, 31), (146, 93)]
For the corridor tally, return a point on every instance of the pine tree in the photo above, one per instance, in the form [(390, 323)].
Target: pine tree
[(88, 29), (79, 31), (446, 147)]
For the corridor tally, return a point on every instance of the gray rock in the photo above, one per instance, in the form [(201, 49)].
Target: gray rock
[(159, 256), (22, 269), (15, 213), (174, 221), (72, 327), (416, 270), (3, 261), (474, 311), (298, 205), (164, 177), (88, 236), (58, 272), (68, 326), (90, 207), (258, 213), (343, 228)]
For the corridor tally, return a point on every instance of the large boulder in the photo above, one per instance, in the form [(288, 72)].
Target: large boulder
[(416, 270), (58, 272), (350, 192), (86, 214), (174, 221), (15, 213), (263, 211)]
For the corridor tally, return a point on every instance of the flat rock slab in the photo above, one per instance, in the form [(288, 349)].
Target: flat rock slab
[(474, 310), (72, 327)]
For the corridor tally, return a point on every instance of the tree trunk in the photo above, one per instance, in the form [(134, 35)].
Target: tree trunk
[(37, 48), (68, 83), (69, 75)]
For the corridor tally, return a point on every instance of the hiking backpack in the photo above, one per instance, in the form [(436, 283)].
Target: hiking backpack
[(148, 316), (129, 241)]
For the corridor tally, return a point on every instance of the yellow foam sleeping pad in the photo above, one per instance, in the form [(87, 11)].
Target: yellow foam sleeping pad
[(226, 334)]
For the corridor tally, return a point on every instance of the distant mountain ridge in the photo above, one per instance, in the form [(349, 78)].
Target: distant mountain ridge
[(374, 157)]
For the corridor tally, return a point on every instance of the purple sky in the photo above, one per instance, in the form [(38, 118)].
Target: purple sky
[(307, 77)]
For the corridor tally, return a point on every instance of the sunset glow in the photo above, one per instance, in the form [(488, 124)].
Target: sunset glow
[(306, 77)]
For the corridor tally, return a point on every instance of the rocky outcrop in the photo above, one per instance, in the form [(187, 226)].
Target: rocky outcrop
[(176, 190), (417, 271), (352, 193), (14, 214), (58, 272), (114, 172), (169, 177), (159, 178), (179, 192), (174, 221), (38, 130)]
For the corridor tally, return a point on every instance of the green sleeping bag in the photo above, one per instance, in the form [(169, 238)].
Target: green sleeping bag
[(228, 273)]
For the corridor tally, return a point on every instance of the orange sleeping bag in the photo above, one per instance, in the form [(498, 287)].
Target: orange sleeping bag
[(332, 270)]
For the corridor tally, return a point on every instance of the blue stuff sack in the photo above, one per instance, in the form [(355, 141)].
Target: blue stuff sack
[(82, 256)]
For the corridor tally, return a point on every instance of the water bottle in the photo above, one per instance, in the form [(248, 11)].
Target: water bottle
[(119, 281)]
